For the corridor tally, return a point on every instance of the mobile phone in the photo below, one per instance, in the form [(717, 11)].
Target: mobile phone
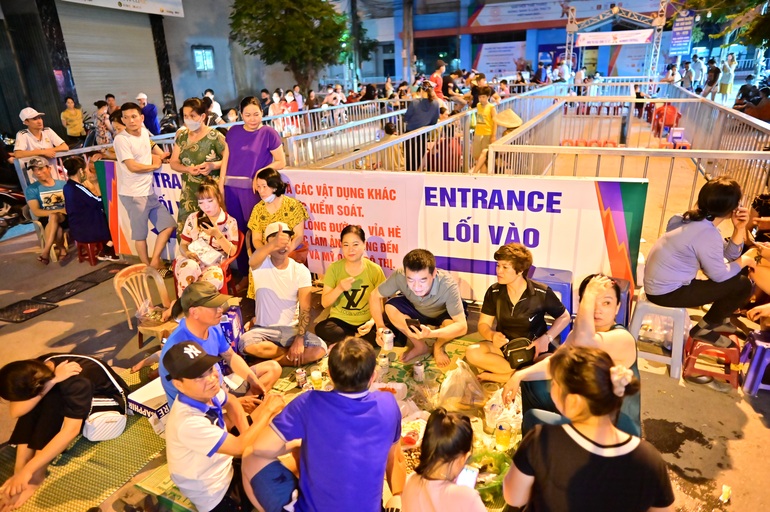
[(411, 322), (468, 476), (204, 223)]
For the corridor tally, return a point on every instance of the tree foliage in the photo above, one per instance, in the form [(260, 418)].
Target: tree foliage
[(303, 36), (743, 18)]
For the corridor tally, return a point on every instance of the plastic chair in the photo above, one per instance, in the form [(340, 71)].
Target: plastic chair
[(726, 357), (755, 356), (136, 281), (560, 282), (680, 318), (568, 142), (626, 296), (610, 144), (594, 143), (87, 251), (682, 144), (581, 142), (224, 265), (54, 252), (666, 144)]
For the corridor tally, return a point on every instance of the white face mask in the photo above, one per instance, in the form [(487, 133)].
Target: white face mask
[(192, 125), (269, 199)]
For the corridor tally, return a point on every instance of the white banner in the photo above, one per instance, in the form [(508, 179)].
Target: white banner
[(614, 38), (548, 10), (164, 7), (501, 59)]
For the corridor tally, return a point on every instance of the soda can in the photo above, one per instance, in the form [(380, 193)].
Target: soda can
[(418, 371), (383, 362), (387, 339), (301, 377)]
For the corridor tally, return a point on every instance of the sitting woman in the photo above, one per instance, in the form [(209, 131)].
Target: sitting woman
[(51, 397), (85, 210), (595, 327), (446, 445), (691, 243), (588, 464), (209, 236), (518, 307), (348, 283)]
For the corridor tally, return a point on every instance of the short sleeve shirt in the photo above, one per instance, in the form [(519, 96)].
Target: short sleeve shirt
[(25, 141), (192, 441), (291, 212), (225, 223), (352, 306), (364, 425), (277, 292), (525, 319), (444, 295), (138, 148), (49, 198), (249, 152), (573, 473)]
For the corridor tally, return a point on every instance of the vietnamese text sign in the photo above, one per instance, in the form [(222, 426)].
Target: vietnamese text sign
[(164, 7), (546, 10), (681, 34), (614, 38), (501, 59)]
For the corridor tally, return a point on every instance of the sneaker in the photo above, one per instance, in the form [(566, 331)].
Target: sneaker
[(107, 254)]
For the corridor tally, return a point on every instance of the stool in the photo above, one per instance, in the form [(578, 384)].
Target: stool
[(581, 142), (680, 318), (610, 144), (568, 142), (594, 143), (665, 144), (731, 356), (756, 355), (626, 294), (560, 282), (87, 251), (682, 144)]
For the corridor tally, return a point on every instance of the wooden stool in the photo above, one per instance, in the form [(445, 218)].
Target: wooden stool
[(87, 251)]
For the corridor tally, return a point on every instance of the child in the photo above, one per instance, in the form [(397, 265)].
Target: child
[(486, 128)]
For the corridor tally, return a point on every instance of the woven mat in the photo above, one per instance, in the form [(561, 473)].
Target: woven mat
[(65, 291), (88, 473), (103, 274), (23, 310)]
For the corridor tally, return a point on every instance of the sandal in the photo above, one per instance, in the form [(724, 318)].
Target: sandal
[(43, 259), (164, 272)]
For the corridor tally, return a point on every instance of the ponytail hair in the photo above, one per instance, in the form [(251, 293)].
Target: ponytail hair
[(717, 198), (447, 436), (590, 373)]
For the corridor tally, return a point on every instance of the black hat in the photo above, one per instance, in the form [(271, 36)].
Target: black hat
[(188, 360)]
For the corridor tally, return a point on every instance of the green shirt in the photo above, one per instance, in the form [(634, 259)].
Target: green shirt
[(352, 306)]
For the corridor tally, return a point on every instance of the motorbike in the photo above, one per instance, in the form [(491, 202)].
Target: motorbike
[(13, 208)]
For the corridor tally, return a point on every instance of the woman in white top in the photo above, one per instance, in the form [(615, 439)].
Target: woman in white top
[(727, 77), (446, 446)]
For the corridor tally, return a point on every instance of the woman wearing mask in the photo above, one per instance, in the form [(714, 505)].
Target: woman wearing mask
[(276, 207), (446, 446), (72, 119), (249, 149), (588, 464), (348, 283), (198, 153)]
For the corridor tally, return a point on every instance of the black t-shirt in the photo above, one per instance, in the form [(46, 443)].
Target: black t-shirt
[(78, 391), (573, 473), (526, 319), (761, 204), (448, 85)]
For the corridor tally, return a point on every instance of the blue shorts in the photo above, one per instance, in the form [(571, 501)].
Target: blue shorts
[(273, 486), (281, 335)]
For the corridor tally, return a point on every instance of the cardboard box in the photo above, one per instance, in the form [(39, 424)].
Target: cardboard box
[(232, 326), (150, 401)]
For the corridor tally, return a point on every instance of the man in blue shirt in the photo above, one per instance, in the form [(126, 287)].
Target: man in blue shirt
[(45, 198), (365, 426), (203, 305), (150, 113)]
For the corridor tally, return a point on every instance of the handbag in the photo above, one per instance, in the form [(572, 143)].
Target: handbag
[(518, 352), (104, 425)]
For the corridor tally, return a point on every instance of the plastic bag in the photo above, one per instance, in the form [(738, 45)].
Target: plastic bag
[(495, 411), (149, 313), (461, 390)]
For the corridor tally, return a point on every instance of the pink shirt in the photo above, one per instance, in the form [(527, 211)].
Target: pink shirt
[(421, 495)]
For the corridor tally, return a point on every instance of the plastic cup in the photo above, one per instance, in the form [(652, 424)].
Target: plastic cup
[(503, 435), (316, 378)]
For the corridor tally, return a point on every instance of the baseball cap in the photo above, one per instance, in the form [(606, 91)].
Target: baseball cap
[(440, 63), (188, 360), (201, 294), (275, 227), (141, 96), (36, 161), (29, 113)]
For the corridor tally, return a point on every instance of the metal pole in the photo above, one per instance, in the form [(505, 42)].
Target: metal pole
[(408, 36)]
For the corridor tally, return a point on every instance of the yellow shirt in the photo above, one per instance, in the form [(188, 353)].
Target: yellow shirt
[(484, 117), (73, 121)]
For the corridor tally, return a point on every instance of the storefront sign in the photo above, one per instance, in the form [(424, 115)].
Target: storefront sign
[(681, 34), (614, 38), (164, 7)]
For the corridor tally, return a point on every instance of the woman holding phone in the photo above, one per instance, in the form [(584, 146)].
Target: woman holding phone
[(347, 286), (437, 484), (211, 228)]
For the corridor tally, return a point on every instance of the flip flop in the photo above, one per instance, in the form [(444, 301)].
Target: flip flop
[(43, 259), (164, 272)]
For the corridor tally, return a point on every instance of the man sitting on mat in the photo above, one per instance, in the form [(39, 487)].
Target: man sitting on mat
[(420, 296), (199, 448)]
